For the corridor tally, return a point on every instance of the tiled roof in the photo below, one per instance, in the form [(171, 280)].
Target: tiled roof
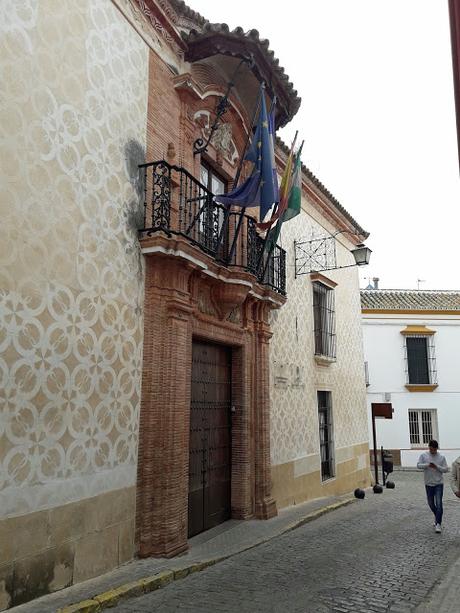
[(317, 183), (410, 300), (185, 10), (223, 40)]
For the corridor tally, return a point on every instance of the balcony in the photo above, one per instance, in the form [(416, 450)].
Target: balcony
[(176, 204)]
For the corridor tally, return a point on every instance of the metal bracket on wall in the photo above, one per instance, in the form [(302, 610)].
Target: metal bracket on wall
[(314, 255)]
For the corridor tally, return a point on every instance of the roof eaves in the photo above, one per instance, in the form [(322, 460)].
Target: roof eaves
[(250, 37), (182, 8)]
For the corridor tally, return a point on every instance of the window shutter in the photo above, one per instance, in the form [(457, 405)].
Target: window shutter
[(417, 360)]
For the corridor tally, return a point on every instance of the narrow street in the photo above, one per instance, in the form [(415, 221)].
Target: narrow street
[(380, 554)]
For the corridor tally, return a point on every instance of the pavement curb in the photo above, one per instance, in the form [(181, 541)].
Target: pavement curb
[(145, 585)]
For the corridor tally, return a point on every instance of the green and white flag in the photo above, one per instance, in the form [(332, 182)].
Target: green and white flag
[(295, 195), (293, 207)]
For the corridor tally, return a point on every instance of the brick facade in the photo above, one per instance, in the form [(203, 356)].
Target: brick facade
[(181, 303), (187, 296)]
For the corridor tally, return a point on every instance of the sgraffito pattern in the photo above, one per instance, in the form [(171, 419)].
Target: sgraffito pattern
[(72, 131), (294, 374)]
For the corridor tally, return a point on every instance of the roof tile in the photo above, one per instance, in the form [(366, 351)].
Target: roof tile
[(414, 300)]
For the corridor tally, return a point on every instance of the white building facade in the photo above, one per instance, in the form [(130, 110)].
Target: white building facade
[(411, 346), (319, 441)]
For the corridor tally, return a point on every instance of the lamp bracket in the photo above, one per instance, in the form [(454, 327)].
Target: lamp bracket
[(315, 255)]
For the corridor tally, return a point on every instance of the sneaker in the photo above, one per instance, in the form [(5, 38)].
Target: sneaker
[(437, 528)]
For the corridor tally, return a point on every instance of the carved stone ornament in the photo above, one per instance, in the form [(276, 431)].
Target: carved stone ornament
[(235, 316), (157, 25), (222, 139)]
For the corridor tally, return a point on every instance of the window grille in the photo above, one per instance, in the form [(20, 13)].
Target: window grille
[(422, 426), (420, 360), (326, 440), (324, 320), (211, 218)]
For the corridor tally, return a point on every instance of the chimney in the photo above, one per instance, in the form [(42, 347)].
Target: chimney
[(376, 282)]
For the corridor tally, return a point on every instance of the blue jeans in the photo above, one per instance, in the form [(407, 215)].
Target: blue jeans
[(434, 499)]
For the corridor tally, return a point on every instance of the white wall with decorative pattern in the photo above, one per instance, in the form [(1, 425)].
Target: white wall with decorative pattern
[(295, 377), (73, 107)]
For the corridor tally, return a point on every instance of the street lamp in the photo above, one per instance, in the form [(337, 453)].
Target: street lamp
[(362, 255)]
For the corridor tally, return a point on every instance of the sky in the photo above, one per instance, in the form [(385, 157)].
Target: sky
[(378, 120)]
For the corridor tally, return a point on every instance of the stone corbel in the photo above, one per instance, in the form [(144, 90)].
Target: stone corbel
[(228, 296)]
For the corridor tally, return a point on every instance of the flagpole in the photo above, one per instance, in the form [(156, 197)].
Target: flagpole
[(240, 220), (281, 219), (248, 136), (237, 176), (269, 255), (274, 212)]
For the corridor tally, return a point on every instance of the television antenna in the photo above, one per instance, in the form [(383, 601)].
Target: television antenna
[(420, 281)]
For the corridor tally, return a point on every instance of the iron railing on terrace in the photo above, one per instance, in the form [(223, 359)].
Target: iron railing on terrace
[(178, 204)]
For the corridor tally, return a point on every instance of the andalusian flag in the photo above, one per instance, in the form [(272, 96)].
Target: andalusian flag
[(295, 195), (293, 200)]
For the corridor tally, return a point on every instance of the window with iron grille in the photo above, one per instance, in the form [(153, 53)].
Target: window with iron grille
[(420, 360), (210, 219), (326, 439), (422, 426), (324, 320)]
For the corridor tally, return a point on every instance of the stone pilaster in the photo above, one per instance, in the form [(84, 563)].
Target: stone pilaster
[(164, 428), (265, 505)]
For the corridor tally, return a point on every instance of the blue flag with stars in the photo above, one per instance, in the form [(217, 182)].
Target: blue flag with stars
[(261, 187)]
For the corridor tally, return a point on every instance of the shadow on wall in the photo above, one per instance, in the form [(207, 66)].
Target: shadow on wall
[(134, 154)]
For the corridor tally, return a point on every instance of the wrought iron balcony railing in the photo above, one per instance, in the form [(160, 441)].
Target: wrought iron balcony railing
[(177, 204)]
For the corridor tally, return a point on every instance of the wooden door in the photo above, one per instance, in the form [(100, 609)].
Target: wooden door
[(210, 438)]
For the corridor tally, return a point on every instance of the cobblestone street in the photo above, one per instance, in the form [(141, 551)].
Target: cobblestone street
[(380, 554)]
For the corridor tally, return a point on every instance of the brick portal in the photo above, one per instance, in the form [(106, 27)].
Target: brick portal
[(187, 295)]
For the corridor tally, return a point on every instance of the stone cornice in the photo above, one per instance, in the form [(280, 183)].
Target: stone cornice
[(159, 245), (162, 21)]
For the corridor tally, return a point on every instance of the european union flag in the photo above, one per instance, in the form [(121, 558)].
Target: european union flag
[(261, 188)]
